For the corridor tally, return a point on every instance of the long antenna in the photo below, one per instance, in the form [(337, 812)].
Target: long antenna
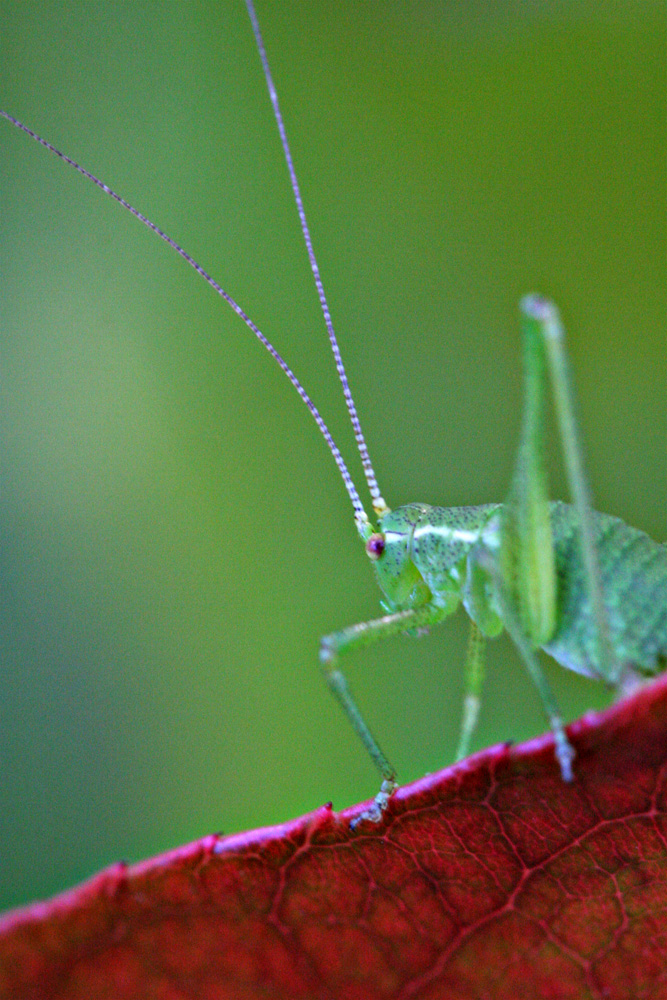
[(361, 518), (379, 506)]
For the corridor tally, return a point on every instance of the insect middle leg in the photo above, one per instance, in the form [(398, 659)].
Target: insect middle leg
[(563, 748), (474, 677)]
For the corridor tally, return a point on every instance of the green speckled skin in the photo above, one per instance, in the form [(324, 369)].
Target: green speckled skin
[(426, 545), (634, 582), (427, 550)]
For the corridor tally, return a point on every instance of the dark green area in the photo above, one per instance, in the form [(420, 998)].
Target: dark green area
[(175, 537)]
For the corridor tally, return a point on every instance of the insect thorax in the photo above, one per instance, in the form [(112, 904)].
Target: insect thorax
[(425, 548)]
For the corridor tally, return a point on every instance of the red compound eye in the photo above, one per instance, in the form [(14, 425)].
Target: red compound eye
[(375, 546)]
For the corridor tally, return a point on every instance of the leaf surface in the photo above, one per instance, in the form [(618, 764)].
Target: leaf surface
[(489, 880)]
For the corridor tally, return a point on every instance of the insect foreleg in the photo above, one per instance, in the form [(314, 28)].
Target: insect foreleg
[(356, 637), (474, 674)]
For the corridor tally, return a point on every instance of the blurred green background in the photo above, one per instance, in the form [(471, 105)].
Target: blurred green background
[(175, 538)]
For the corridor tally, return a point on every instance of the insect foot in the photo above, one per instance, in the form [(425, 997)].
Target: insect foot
[(380, 803), (565, 752)]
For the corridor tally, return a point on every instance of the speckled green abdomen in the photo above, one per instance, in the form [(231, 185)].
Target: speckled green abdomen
[(634, 583)]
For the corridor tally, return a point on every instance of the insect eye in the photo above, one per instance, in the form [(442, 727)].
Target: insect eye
[(375, 546)]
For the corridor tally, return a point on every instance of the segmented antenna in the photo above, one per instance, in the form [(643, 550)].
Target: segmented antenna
[(361, 518), (379, 506)]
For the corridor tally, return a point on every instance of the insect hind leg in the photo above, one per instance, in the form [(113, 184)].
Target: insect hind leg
[(542, 323)]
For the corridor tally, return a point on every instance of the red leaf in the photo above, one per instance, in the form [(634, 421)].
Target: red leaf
[(492, 879)]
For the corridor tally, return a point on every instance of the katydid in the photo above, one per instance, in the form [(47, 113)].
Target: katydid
[(585, 587)]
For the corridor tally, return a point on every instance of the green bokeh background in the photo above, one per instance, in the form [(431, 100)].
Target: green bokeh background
[(175, 538)]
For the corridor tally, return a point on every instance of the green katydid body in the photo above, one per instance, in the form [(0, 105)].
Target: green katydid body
[(585, 587), (430, 555)]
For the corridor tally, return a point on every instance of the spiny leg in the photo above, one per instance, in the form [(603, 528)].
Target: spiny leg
[(474, 679), (563, 748), (542, 320), (356, 637)]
